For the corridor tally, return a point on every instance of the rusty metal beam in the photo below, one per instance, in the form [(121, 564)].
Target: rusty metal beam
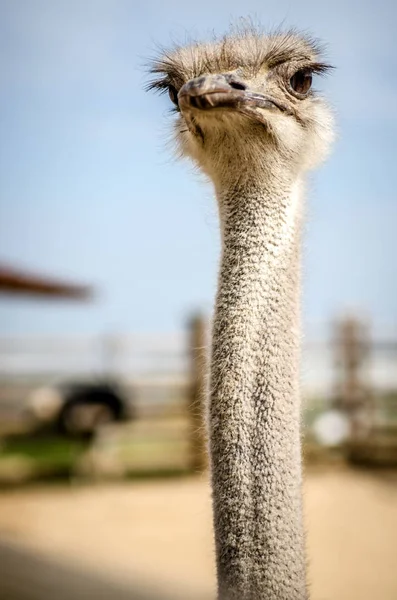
[(17, 282)]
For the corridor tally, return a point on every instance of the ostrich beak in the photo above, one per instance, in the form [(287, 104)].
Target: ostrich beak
[(226, 91)]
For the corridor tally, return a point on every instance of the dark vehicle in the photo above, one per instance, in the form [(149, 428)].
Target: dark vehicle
[(77, 409)]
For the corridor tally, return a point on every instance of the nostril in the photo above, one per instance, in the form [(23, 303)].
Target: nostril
[(237, 85)]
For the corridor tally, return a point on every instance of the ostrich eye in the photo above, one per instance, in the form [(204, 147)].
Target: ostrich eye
[(301, 82), (173, 94)]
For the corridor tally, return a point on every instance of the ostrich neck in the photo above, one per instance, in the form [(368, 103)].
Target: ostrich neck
[(254, 412)]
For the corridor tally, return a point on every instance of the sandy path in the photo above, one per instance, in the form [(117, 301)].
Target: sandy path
[(161, 531)]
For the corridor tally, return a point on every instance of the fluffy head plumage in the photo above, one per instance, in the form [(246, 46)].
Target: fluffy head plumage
[(299, 133)]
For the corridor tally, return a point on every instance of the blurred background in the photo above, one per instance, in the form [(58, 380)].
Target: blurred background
[(108, 262)]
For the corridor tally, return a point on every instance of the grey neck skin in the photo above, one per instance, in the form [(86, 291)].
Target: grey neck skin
[(254, 405)]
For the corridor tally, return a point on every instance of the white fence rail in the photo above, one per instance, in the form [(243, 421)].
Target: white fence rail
[(27, 362)]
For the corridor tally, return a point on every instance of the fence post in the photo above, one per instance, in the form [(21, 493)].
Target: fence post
[(196, 400), (351, 393)]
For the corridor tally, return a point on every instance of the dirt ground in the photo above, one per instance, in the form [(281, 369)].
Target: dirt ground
[(161, 531)]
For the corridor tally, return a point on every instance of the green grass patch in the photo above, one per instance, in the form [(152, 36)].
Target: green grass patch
[(51, 452)]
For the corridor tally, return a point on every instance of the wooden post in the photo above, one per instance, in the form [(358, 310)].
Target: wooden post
[(196, 400), (351, 394)]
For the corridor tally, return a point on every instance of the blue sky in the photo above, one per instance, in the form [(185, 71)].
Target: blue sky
[(89, 190)]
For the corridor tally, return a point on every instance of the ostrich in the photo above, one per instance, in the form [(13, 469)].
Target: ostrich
[(248, 118)]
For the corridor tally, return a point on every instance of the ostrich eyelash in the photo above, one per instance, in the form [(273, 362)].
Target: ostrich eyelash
[(159, 85), (318, 68)]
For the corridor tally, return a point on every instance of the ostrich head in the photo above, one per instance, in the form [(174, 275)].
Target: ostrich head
[(247, 100)]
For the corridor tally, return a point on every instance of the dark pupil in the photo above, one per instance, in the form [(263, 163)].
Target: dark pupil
[(301, 82), (173, 94)]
